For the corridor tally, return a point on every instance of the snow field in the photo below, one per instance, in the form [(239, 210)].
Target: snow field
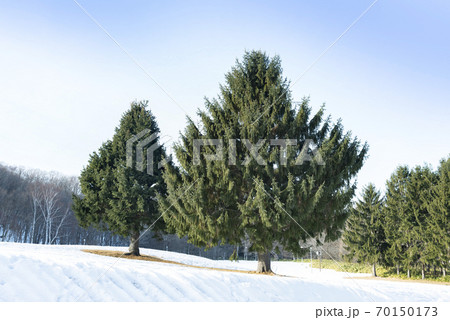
[(65, 273)]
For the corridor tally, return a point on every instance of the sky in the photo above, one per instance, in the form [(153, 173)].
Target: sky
[(64, 84)]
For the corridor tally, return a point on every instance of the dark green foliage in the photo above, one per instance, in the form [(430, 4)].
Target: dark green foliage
[(416, 215), (118, 197), (396, 211), (227, 201), (364, 234), (416, 234), (438, 206)]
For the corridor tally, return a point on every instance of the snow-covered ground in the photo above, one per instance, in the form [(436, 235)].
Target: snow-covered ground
[(64, 273)]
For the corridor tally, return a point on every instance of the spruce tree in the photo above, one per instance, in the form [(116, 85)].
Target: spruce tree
[(396, 209), (364, 235), (117, 196), (420, 247), (269, 196), (438, 224)]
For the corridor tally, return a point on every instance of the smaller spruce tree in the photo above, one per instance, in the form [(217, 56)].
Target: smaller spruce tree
[(116, 196)]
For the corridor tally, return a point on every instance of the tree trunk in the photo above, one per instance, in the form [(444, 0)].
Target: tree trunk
[(423, 272), (374, 270), (34, 223), (443, 272), (398, 270), (133, 249), (263, 262), (409, 273)]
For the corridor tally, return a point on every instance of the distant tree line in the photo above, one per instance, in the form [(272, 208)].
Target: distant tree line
[(36, 207), (408, 229)]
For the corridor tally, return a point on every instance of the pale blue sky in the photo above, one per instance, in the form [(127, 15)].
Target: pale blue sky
[(64, 84)]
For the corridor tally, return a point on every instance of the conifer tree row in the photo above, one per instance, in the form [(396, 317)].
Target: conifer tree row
[(416, 224), (413, 224), (438, 207)]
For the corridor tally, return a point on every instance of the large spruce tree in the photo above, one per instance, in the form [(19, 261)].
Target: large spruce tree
[(364, 235), (260, 191), (116, 195)]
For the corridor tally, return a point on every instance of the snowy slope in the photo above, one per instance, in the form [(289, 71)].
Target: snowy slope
[(64, 273)]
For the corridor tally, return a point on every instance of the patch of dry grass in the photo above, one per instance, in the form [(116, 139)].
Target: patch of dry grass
[(120, 254)]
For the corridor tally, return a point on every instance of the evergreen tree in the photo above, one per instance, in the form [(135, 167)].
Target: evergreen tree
[(116, 196), (396, 209), (420, 247), (272, 196), (438, 227), (364, 234), (416, 212)]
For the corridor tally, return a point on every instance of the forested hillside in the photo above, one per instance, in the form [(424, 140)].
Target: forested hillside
[(35, 207)]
